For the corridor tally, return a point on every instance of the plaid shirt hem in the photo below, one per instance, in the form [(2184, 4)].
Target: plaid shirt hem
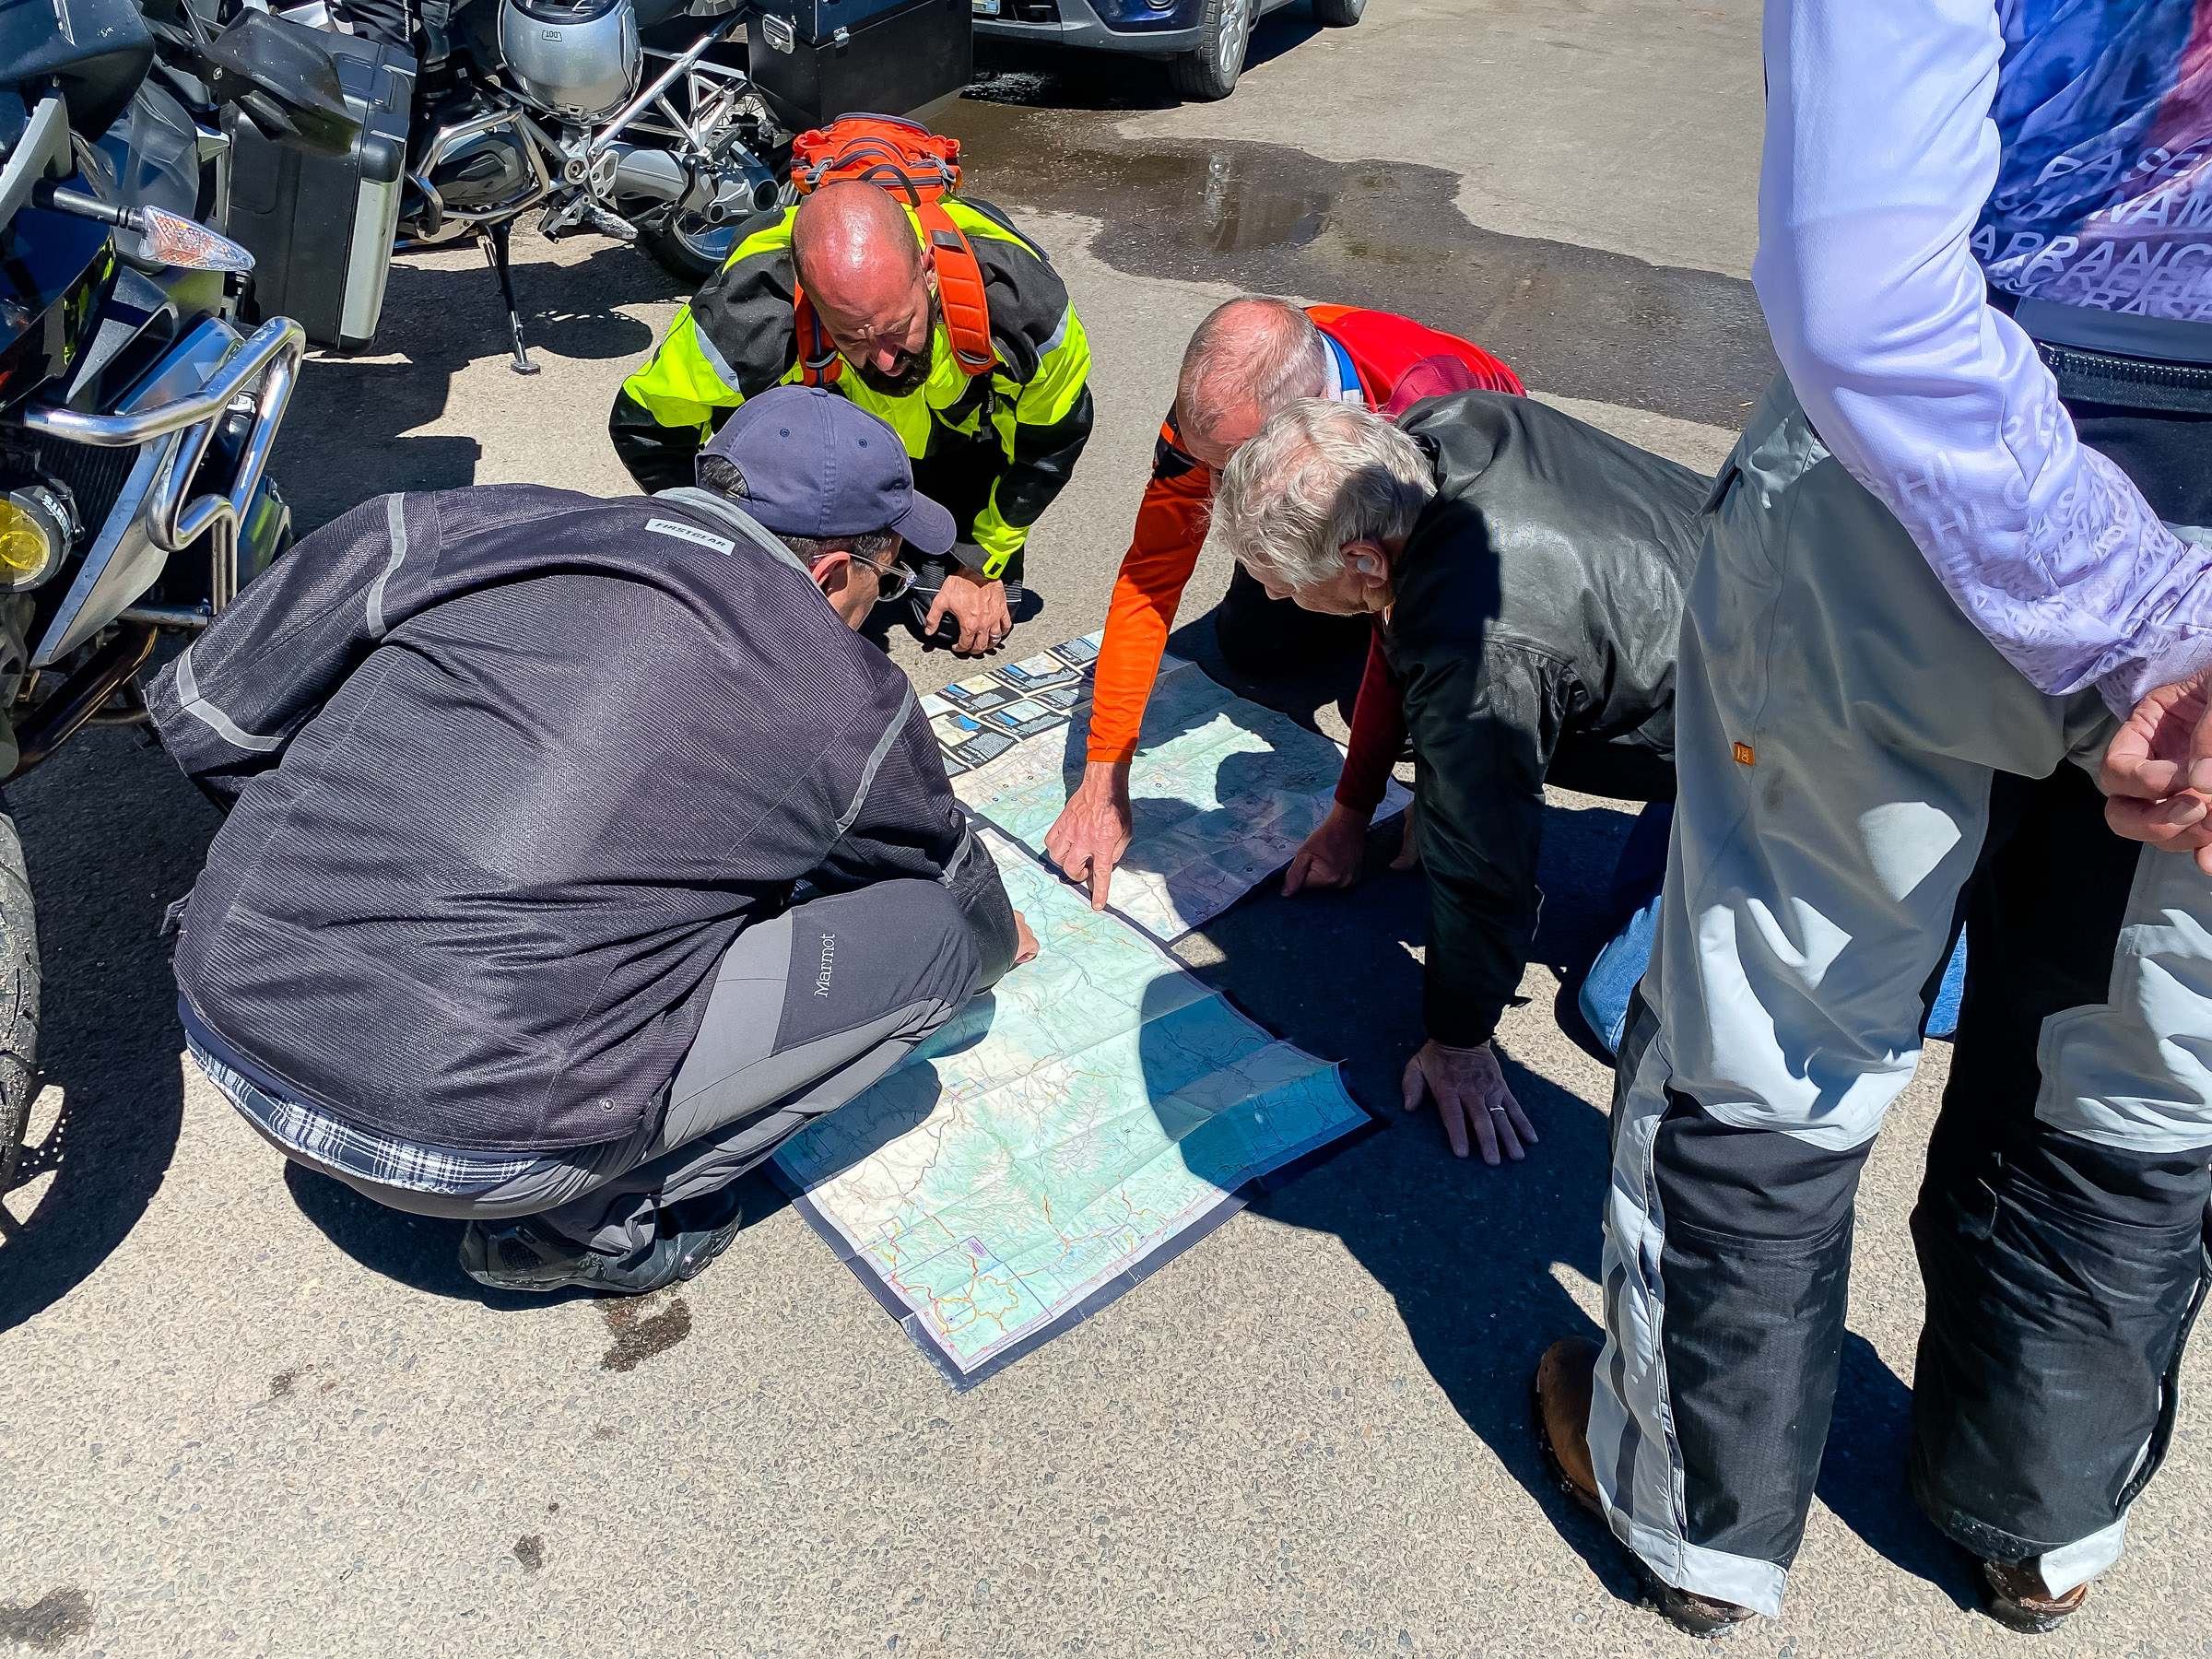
[(320, 1138)]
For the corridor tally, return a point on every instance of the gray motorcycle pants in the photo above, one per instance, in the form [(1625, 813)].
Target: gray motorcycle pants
[(1857, 766), (808, 1009)]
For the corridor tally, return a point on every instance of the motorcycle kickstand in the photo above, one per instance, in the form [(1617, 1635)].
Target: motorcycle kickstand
[(494, 239)]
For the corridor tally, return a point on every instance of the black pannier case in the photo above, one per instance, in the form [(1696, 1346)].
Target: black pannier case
[(814, 60), (320, 227)]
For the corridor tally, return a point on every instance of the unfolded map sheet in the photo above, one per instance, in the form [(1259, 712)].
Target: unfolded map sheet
[(1090, 1119), (1222, 789)]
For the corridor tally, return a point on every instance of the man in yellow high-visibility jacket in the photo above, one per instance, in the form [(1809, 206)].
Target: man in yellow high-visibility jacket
[(995, 447)]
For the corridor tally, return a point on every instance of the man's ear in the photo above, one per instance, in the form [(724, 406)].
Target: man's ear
[(831, 572), (1367, 562)]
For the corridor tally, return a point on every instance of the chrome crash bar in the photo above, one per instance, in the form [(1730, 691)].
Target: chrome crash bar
[(530, 138), (262, 369)]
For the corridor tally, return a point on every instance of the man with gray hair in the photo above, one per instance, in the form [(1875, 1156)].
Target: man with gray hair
[(1524, 573), (1247, 360)]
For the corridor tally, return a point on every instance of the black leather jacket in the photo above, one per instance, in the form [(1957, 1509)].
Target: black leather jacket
[(1537, 605)]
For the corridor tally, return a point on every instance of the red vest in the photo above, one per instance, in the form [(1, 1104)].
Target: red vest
[(1384, 349)]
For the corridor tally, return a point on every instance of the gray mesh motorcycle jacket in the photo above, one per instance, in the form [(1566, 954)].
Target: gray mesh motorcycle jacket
[(507, 770)]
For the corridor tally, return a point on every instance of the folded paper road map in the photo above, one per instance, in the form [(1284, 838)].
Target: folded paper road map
[(1094, 1116), (1222, 789)]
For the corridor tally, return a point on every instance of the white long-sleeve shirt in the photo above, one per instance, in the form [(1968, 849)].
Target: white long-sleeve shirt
[(2062, 148)]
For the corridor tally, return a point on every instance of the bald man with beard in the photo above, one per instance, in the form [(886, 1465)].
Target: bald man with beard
[(995, 447)]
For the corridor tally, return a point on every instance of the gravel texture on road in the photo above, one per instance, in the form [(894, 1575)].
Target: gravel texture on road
[(248, 1413)]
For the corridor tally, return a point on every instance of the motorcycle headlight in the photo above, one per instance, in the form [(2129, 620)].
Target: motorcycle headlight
[(36, 531)]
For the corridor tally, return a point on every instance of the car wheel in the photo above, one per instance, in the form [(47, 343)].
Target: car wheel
[(1209, 73), (1337, 14)]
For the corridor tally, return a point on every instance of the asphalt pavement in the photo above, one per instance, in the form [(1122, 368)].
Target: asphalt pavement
[(247, 1413)]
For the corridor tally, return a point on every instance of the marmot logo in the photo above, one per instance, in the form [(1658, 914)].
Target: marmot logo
[(821, 979)]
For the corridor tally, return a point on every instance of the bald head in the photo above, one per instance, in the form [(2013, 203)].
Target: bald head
[(856, 253), (1248, 358), (850, 239)]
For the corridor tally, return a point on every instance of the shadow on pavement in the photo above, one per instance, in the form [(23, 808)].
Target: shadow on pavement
[(1328, 681), (421, 1251), (440, 319), (113, 834), (1472, 1255), (1863, 1476)]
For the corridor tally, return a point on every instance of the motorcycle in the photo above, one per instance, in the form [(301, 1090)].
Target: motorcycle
[(633, 118), (136, 410), (664, 123)]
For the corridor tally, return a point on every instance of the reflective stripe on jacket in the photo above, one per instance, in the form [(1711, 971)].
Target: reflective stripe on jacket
[(507, 771), (736, 338)]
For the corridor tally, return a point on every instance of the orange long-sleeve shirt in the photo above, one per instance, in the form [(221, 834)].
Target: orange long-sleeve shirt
[(1389, 353)]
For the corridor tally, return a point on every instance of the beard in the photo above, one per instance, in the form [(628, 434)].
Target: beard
[(910, 379)]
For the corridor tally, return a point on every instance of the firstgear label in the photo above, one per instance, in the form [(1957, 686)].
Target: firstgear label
[(692, 534)]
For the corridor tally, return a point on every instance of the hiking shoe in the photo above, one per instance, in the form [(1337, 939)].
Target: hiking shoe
[(521, 1255), (1566, 1377), (701, 1229), (2014, 1596)]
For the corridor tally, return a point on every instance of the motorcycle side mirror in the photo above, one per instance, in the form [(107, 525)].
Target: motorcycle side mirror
[(278, 74)]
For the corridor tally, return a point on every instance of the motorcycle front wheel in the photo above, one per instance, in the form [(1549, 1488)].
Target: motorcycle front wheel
[(686, 247), (18, 999)]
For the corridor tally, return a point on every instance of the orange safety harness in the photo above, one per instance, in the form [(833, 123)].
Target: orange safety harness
[(925, 167)]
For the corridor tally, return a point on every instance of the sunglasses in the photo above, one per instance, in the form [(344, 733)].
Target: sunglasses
[(892, 581)]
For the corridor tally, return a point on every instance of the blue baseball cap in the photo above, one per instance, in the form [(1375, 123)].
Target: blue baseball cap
[(816, 465)]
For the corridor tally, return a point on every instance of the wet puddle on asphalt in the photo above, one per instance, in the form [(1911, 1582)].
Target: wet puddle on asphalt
[(642, 1327), (1573, 320)]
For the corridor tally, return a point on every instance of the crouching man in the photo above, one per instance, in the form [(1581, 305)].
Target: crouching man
[(578, 853), (1526, 572)]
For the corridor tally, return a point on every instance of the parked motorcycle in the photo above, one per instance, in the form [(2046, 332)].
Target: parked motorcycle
[(563, 109), (649, 122), (137, 412)]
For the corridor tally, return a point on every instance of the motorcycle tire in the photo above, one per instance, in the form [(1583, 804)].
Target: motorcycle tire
[(20, 986), (1209, 74), (686, 247)]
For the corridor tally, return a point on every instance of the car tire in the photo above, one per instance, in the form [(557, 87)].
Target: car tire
[(1209, 74), (1338, 14)]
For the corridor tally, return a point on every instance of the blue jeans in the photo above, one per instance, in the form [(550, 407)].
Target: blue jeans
[(1603, 991)]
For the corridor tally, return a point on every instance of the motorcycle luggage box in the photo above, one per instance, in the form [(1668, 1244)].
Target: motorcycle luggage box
[(814, 60), (320, 228), (818, 19)]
